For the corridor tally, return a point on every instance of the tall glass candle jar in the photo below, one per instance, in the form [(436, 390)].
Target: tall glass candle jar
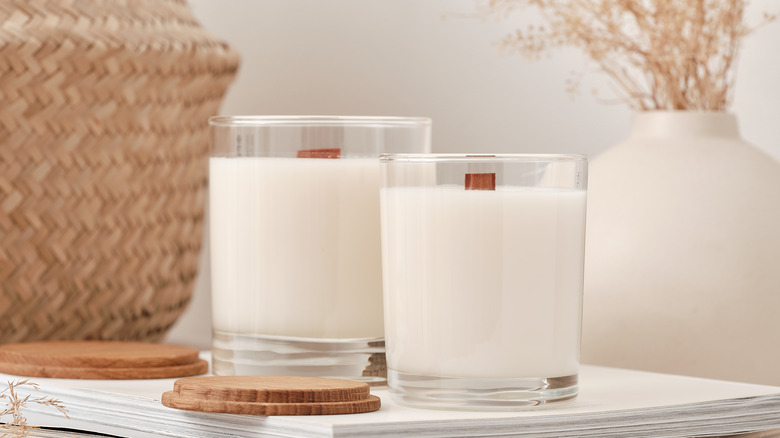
[(483, 273), (295, 242)]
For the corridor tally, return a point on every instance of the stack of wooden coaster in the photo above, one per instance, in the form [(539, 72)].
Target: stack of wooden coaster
[(100, 360), (271, 395)]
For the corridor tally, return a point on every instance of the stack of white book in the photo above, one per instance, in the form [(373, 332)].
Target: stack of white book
[(612, 403)]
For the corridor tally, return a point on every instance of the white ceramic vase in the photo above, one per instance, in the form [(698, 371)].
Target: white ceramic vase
[(683, 251)]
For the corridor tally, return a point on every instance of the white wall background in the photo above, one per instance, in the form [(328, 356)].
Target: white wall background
[(425, 58)]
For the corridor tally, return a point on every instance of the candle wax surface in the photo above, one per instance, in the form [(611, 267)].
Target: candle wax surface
[(295, 247), (483, 283)]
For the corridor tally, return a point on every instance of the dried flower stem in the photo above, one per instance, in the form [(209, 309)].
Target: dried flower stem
[(14, 404), (662, 54)]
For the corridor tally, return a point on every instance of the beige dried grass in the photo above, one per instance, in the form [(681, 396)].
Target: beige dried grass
[(661, 54), (14, 404)]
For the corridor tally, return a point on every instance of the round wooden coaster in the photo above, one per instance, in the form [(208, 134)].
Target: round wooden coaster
[(271, 395), (98, 354), (199, 367), (100, 360), (271, 389)]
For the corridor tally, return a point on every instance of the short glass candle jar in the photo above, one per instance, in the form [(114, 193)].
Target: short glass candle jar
[(483, 274)]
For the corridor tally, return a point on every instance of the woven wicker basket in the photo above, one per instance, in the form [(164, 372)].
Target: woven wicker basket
[(103, 164)]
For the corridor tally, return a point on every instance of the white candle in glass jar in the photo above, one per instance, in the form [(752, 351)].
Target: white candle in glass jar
[(295, 247), (483, 283)]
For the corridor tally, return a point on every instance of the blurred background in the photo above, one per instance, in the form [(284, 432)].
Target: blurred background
[(438, 59)]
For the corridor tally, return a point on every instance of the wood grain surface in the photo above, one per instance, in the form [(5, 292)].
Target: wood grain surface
[(480, 181), (271, 395), (107, 373), (319, 153), (100, 360), (98, 354), (271, 389), (370, 404)]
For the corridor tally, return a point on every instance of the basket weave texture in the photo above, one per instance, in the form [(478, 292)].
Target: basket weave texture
[(103, 164)]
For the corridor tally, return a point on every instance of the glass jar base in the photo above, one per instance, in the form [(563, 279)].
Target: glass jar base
[(234, 354), (479, 394)]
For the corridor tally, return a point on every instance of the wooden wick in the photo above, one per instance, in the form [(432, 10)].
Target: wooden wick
[(480, 181), (320, 153)]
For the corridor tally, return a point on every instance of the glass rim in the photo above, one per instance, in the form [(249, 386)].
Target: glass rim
[(476, 158), (356, 121)]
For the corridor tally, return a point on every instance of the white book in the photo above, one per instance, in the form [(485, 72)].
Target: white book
[(611, 403)]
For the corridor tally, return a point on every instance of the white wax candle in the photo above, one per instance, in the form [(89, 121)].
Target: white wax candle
[(483, 283), (295, 247)]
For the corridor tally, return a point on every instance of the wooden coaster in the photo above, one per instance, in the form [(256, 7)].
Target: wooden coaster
[(100, 360), (271, 395)]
